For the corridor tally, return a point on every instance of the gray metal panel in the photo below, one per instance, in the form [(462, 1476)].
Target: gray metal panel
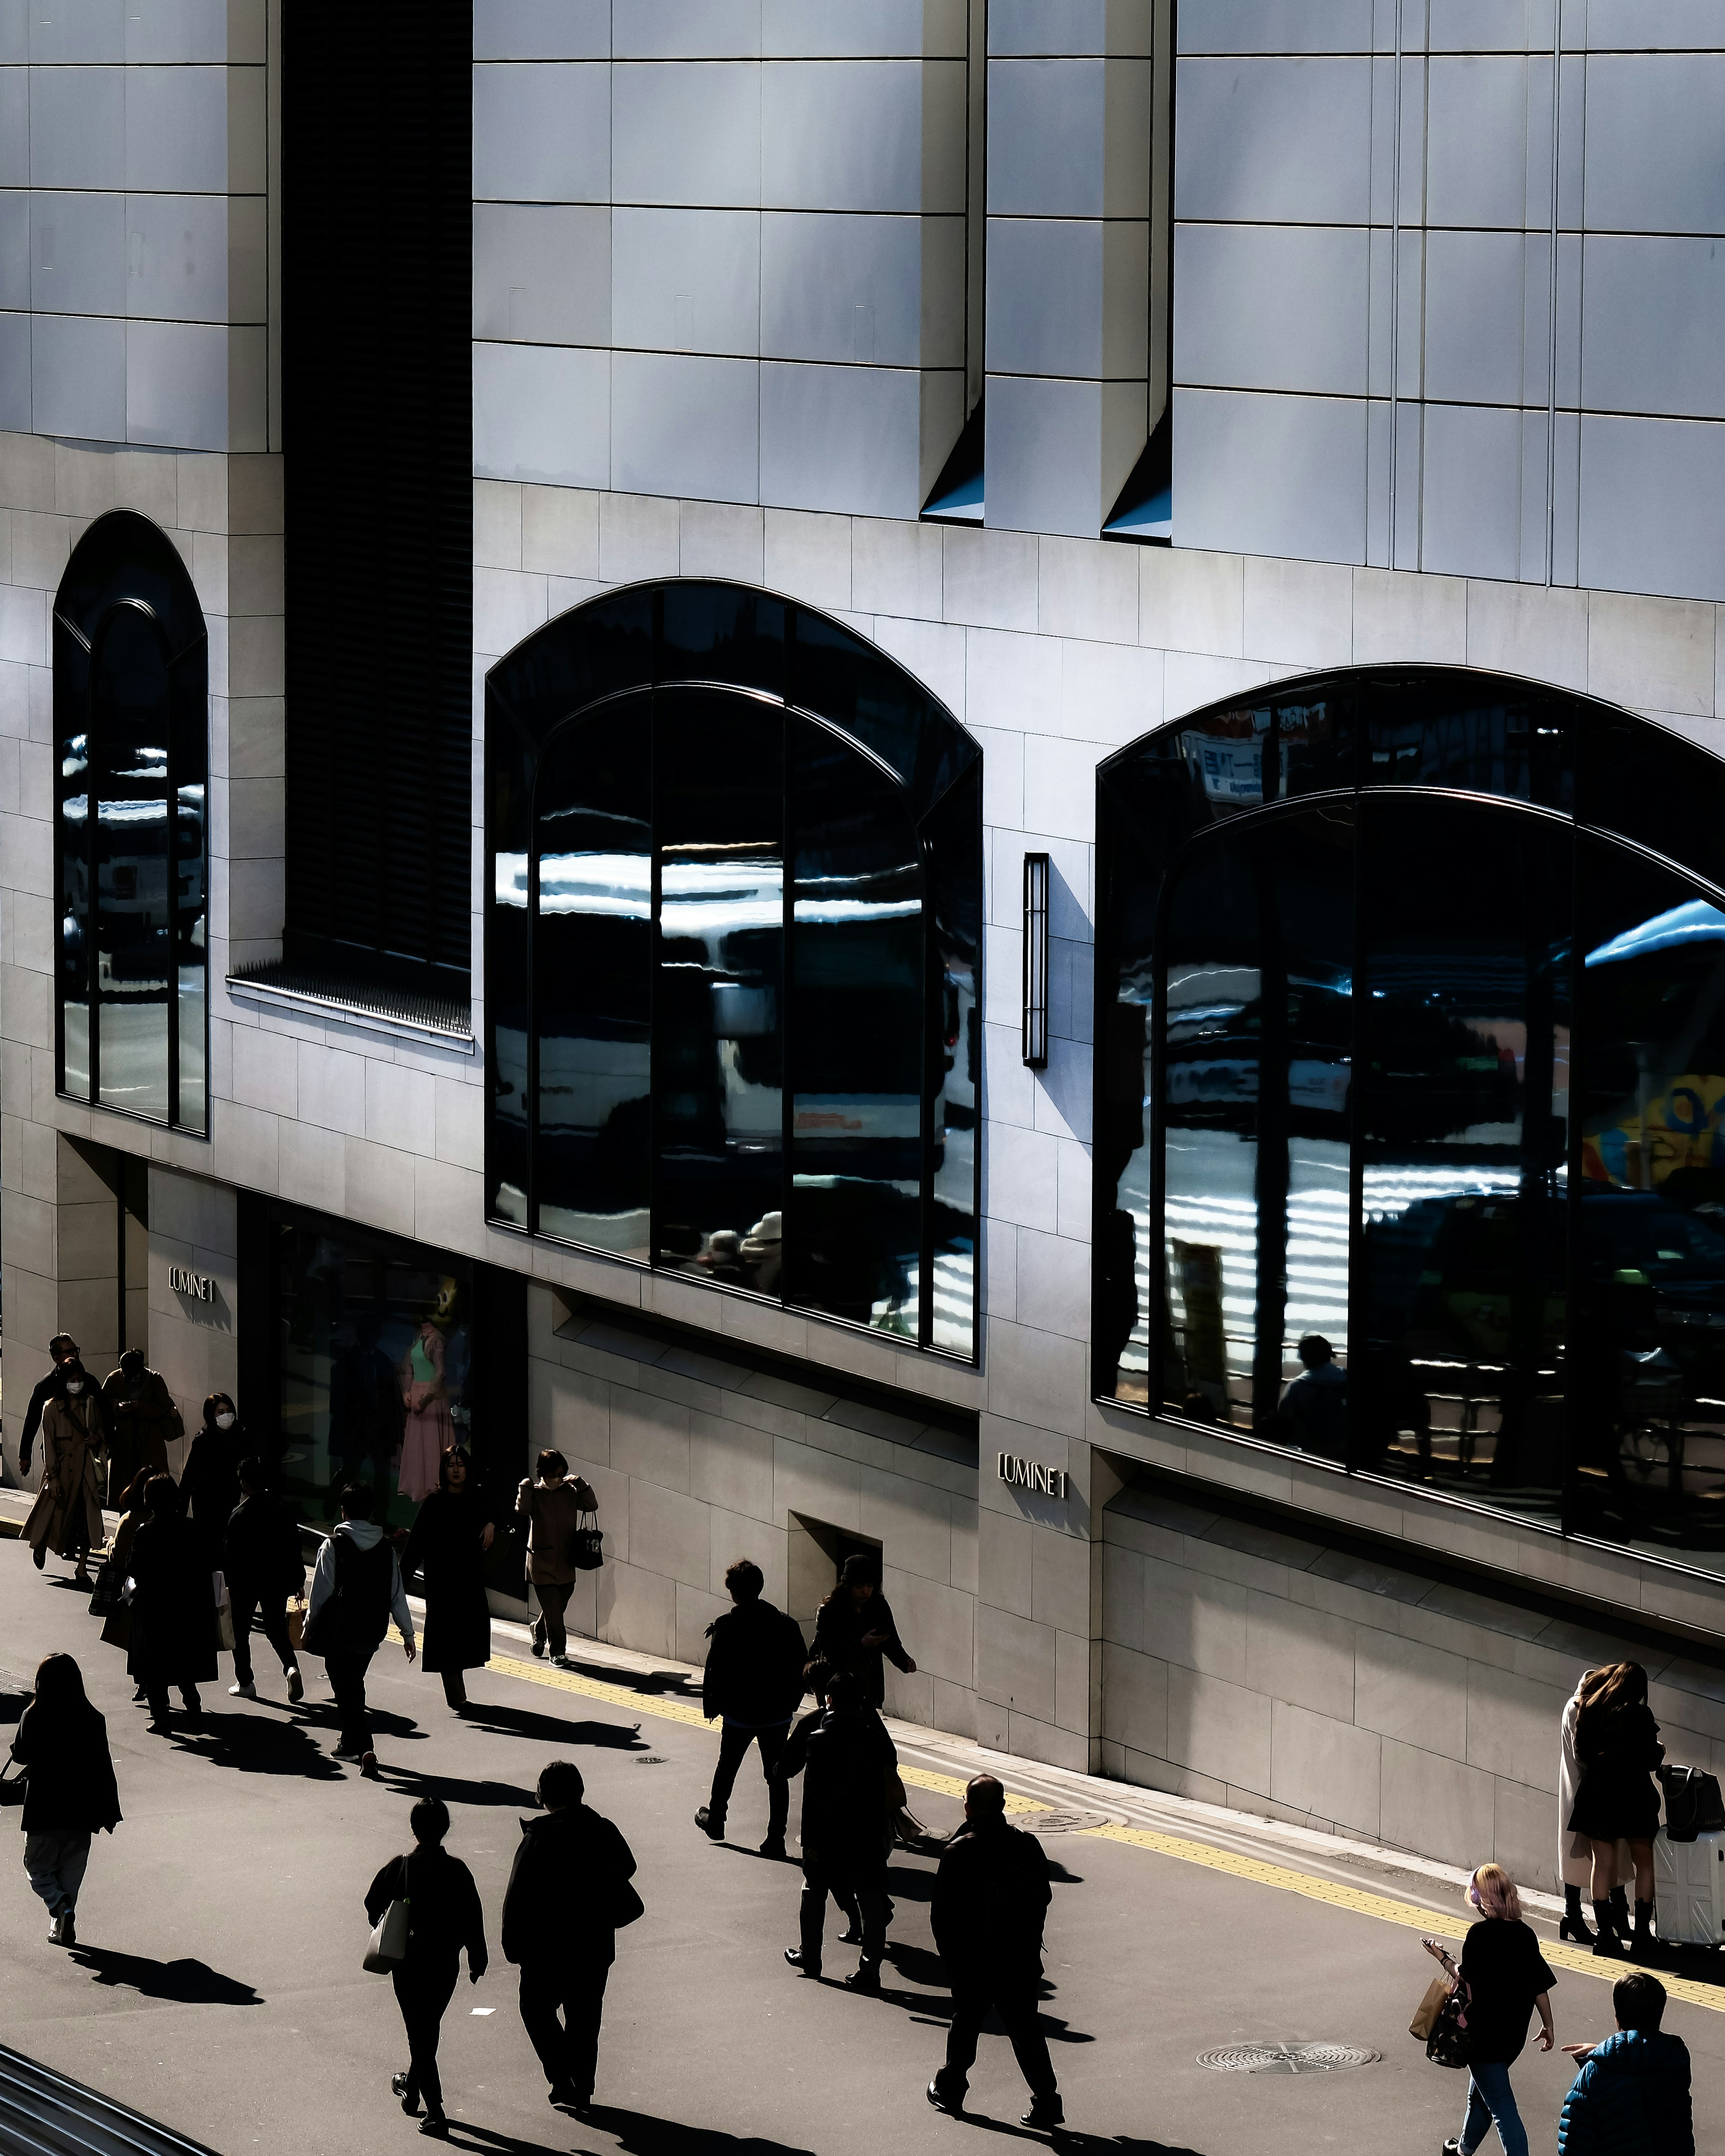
[(1476, 143), (1047, 126), (684, 424), (1262, 474), (846, 439), (541, 132), (14, 127), (686, 30), (77, 128), (186, 30), (78, 31), (78, 376), (541, 272), (1474, 292), (1272, 307), (1043, 454), (15, 374), (1035, 28), (1488, 26), (176, 376), (177, 129), (1276, 26), (1653, 147), (1653, 325), (1470, 499), (885, 290), (885, 29), (176, 257), (687, 132), (1043, 313), (14, 249), (863, 135), (77, 254), (1650, 490), (1638, 25), (541, 29), (1535, 495), (542, 412), (15, 33), (1273, 141), (686, 279)]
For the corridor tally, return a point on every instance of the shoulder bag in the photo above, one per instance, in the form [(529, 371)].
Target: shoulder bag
[(387, 1949), (587, 1545), (13, 1787), (1448, 2044)]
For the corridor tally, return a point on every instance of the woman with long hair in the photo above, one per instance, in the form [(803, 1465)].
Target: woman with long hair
[(1617, 1742), (855, 1627), (449, 1538), (69, 1790), (1506, 1978), (209, 1485), (1575, 1852)]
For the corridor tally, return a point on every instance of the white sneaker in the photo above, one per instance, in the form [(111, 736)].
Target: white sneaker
[(242, 1691), (562, 1662), (296, 1687)]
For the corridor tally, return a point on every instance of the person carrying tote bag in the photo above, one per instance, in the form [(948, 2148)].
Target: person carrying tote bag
[(1506, 1977), (424, 1909)]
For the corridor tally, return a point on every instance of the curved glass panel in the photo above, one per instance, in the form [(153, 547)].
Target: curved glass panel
[(509, 975), (1474, 732), (955, 1036), (133, 958)]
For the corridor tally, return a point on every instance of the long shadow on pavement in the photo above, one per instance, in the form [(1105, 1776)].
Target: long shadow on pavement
[(552, 1729), (635, 2132), (453, 1789), (187, 1983), (252, 1745)]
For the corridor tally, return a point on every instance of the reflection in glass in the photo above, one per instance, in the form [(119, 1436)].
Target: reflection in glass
[(1255, 973), (134, 960), (1124, 1312), (508, 972), (955, 1045), (1475, 734), (855, 1249), (592, 962), (719, 803), (1464, 1132), (1649, 1441)]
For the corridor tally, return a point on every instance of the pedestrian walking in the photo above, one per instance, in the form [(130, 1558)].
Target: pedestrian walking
[(450, 1535), (1617, 1742), (1507, 1978), (62, 1349), (142, 1422), (855, 1628), (443, 1916), (1631, 2097), (210, 1484), (553, 1506), (355, 1590), (1575, 1852), (67, 1514), (174, 1607), (568, 1895), (69, 1790), (753, 1684), (264, 1570), (991, 1897), (844, 1754), (117, 1624)]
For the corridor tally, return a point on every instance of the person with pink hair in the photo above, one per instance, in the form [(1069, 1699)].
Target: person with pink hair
[(1506, 1978)]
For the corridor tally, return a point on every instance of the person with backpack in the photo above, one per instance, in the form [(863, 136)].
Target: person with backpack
[(754, 1681), (69, 1790), (264, 1568), (355, 1590), (444, 1916), (569, 1894), (1631, 2097), (845, 1754)]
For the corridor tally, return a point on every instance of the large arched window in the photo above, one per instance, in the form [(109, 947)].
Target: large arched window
[(130, 704), (1410, 1094), (734, 925)]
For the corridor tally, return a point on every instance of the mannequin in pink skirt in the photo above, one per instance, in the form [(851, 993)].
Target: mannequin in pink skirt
[(429, 1426)]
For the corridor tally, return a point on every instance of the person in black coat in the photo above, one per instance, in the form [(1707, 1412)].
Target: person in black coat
[(209, 1482), (1617, 1744), (444, 1916), (262, 1561), (855, 1627), (844, 1754), (62, 1349), (173, 1606), (69, 1790), (754, 1681), (568, 1892), (454, 1529), (991, 1896)]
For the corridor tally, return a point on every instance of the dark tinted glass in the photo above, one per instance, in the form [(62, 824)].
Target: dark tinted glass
[(133, 944), (188, 685), (1458, 1378), (855, 1041), (954, 837), (74, 936), (1650, 785), (1474, 732), (1124, 1312), (718, 1044), (723, 633), (508, 952), (596, 650), (592, 960), (834, 672), (1256, 969), (1648, 1396)]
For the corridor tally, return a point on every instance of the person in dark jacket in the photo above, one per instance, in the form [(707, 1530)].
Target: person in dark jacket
[(451, 1534), (1617, 1743), (553, 1508), (173, 1606), (568, 1889), (855, 1627), (754, 1681), (62, 1349), (142, 1422), (209, 1482), (1631, 2097), (69, 1790), (1506, 1978), (444, 1916), (844, 1754), (264, 1568), (355, 1590), (991, 1897)]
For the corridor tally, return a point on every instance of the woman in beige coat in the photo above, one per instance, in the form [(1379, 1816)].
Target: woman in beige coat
[(67, 1514), (553, 1505)]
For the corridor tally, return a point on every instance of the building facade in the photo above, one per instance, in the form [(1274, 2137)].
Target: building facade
[(948, 783)]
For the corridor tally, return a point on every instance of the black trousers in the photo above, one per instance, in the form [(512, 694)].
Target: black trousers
[(812, 1912), (1016, 2006), (156, 1691), (568, 2049), (423, 1991), (347, 1673), (244, 1601), (734, 1742)]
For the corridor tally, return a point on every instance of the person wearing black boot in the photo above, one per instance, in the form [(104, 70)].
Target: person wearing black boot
[(846, 1753), (991, 1897), (444, 1916), (1575, 1852), (1617, 1742), (754, 1681)]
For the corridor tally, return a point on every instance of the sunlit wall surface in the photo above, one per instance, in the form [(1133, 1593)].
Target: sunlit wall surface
[(734, 934), (131, 679), (1410, 1095)]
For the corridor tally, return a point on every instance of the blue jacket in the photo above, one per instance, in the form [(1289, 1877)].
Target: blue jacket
[(1631, 2098)]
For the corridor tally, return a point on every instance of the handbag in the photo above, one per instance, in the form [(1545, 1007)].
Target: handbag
[(587, 1545), (1448, 2045), (105, 1597), (1425, 2014), (13, 1790), (224, 1613), (296, 1620), (1692, 1803), (387, 1949)]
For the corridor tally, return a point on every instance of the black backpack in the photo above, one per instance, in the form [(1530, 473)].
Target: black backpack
[(1692, 1803)]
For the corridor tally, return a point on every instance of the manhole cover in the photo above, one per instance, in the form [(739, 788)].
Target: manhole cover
[(649, 1759), (1053, 1822), (1286, 2058)]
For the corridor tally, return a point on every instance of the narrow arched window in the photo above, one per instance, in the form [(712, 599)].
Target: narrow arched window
[(130, 700), (733, 957)]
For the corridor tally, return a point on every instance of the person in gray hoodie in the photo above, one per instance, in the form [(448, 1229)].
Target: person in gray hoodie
[(1631, 2097), (355, 1590)]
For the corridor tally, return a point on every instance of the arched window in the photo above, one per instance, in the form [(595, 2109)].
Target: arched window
[(734, 925), (130, 704), (1411, 1090)]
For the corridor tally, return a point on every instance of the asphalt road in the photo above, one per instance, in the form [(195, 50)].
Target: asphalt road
[(217, 1986)]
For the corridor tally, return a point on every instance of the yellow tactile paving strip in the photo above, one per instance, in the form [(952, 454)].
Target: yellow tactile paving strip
[(1256, 1870)]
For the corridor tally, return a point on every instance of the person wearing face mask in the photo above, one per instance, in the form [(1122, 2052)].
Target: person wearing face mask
[(209, 1487), (142, 1422), (62, 1349), (67, 1514)]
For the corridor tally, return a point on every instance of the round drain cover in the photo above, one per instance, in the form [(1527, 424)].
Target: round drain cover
[(1053, 1822), (1286, 2058)]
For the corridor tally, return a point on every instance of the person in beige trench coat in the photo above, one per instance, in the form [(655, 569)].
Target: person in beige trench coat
[(67, 1514)]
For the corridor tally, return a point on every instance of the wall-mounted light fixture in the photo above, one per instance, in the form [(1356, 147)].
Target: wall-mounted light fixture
[(1036, 869)]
